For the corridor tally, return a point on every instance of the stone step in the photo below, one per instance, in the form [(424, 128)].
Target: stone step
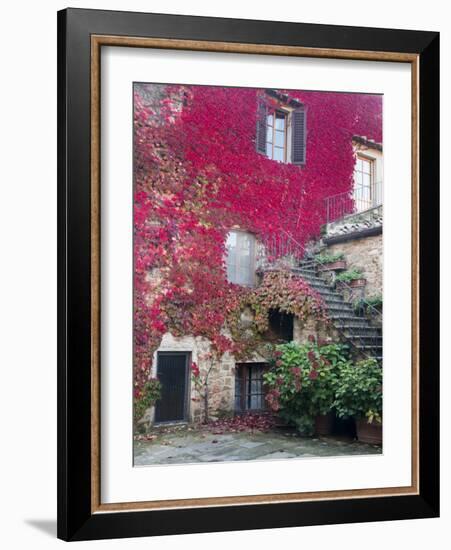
[(305, 272), (356, 328), (375, 341), (337, 307), (307, 263), (373, 350), (360, 332), (310, 280), (307, 276), (361, 321), (358, 323), (361, 329), (337, 316), (367, 348), (331, 299), (320, 285), (329, 292)]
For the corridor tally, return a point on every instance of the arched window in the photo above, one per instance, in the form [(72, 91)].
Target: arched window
[(240, 258)]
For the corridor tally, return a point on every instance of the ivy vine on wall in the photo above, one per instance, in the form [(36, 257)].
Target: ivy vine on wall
[(196, 175)]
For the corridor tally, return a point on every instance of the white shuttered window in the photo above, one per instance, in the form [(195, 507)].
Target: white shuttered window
[(240, 258)]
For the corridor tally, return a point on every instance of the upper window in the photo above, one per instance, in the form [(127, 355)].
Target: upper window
[(240, 258), (276, 136), (281, 133)]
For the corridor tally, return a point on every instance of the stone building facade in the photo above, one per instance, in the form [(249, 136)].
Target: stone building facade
[(222, 378), (357, 235)]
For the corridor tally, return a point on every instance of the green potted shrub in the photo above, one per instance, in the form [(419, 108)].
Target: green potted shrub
[(301, 384), (353, 278), (331, 262), (327, 360), (358, 395)]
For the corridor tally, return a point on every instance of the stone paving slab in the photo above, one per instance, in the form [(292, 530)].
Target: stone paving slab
[(196, 446)]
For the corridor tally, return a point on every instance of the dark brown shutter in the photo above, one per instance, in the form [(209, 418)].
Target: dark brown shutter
[(299, 135), (260, 141)]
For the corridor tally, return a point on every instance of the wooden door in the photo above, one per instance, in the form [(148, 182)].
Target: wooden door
[(172, 371)]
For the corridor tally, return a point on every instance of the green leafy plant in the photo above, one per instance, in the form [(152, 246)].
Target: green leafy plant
[(359, 390), (150, 393), (373, 416), (329, 258), (350, 275), (302, 381), (366, 306)]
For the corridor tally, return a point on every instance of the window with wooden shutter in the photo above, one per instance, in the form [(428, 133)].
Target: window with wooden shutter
[(281, 134), (298, 136)]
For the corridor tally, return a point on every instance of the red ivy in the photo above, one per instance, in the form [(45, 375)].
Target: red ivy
[(197, 174)]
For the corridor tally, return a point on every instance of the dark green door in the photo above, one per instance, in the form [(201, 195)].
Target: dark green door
[(172, 371)]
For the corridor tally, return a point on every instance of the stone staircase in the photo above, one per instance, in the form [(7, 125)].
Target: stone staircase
[(365, 340)]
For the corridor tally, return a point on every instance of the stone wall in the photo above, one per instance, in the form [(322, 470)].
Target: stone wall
[(222, 372), (364, 254), (311, 327)]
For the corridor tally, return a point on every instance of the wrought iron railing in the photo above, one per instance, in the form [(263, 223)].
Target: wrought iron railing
[(281, 246), (361, 198)]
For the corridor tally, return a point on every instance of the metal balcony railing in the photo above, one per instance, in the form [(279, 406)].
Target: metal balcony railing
[(361, 198)]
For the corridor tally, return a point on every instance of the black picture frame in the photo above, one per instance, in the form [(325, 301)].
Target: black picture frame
[(76, 521)]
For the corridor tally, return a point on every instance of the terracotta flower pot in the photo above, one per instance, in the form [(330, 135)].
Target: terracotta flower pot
[(339, 265), (324, 424), (369, 433), (356, 283)]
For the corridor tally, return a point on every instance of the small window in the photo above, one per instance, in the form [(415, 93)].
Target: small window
[(280, 326), (249, 387), (281, 134), (240, 259)]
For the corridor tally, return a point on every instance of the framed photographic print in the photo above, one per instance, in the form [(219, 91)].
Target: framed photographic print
[(248, 274)]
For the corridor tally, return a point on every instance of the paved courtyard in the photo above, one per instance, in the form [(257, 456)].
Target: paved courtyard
[(197, 446)]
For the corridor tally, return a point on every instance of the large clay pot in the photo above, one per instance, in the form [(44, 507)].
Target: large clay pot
[(357, 283), (324, 424), (369, 432)]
